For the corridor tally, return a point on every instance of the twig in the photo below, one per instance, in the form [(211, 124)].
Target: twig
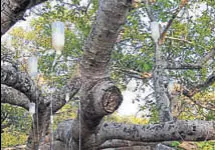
[(211, 54), (190, 93), (148, 10), (163, 34), (200, 105), (177, 39)]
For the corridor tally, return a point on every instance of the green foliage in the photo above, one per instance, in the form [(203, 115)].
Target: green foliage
[(9, 139), (20, 122), (186, 41), (175, 144), (68, 111), (206, 145), (126, 119), (154, 118)]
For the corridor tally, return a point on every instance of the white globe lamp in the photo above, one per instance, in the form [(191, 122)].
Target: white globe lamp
[(58, 38)]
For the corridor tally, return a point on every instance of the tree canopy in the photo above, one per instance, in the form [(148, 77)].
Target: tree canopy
[(108, 44)]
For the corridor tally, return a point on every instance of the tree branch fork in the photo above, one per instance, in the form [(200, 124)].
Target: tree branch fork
[(99, 95)]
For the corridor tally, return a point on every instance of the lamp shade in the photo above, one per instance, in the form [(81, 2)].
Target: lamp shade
[(32, 108), (58, 38), (33, 66), (67, 97), (52, 119), (155, 31)]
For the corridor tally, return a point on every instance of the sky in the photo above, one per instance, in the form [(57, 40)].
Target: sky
[(129, 106)]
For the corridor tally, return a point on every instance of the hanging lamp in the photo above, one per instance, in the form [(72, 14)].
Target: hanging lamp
[(33, 66), (155, 29), (58, 38), (32, 108), (67, 97)]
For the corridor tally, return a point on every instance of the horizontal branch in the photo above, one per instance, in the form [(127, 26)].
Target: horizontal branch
[(115, 135), (197, 88), (20, 81), (169, 131), (134, 74), (12, 96), (125, 143), (178, 39), (198, 65), (183, 66)]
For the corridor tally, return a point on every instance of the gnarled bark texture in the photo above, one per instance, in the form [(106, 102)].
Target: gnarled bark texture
[(13, 11), (99, 95)]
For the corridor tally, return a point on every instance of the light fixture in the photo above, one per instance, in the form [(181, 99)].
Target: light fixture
[(58, 38), (33, 66), (67, 97), (155, 31), (52, 119), (32, 108)]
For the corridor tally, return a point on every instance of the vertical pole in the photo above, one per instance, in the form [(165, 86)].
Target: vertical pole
[(80, 125)]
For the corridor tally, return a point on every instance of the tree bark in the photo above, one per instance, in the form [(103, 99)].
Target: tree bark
[(13, 11), (14, 97), (169, 131), (99, 95), (139, 135), (162, 99)]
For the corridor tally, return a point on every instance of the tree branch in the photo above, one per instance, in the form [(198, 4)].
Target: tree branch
[(13, 10), (148, 11), (12, 96), (117, 134), (169, 131), (195, 89), (163, 34), (198, 65), (99, 95), (207, 57), (177, 39), (133, 73), (59, 98), (97, 50), (177, 66), (12, 77), (115, 143), (22, 82)]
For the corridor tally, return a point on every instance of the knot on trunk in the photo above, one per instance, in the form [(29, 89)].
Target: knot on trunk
[(107, 97)]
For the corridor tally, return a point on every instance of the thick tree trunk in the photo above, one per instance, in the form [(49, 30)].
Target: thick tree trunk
[(99, 95)]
